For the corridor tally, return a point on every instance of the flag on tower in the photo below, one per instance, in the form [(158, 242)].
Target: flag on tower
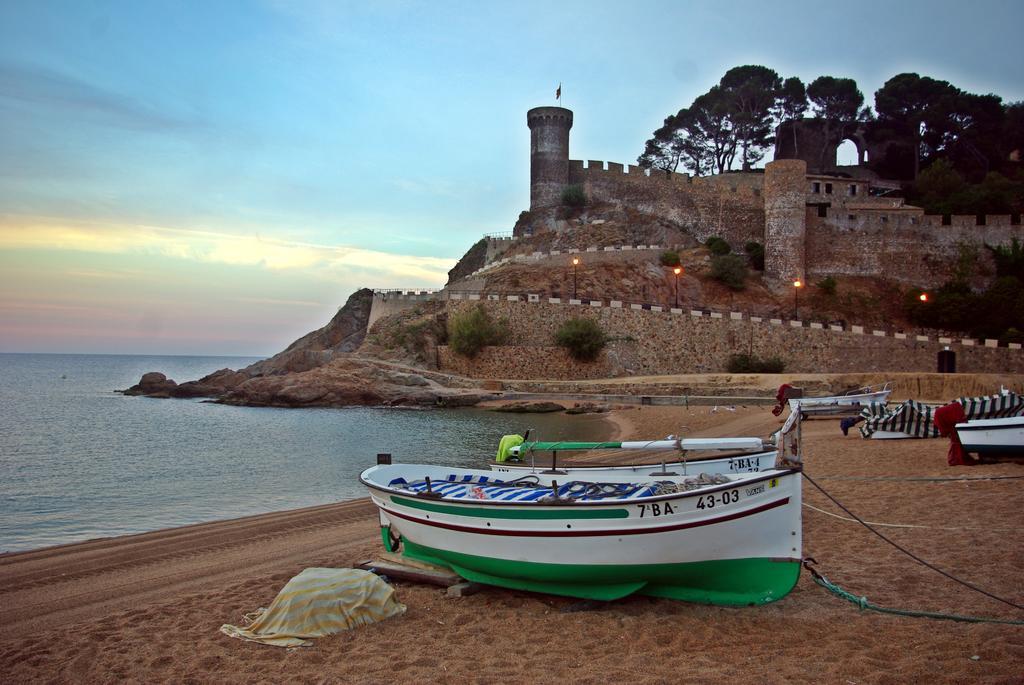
[(558, 93)]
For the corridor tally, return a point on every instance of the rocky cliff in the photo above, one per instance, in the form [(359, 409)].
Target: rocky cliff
[(320, 369)]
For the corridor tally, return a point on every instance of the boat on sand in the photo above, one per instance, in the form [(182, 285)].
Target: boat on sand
[(1004, 436), (832, 405), (730, 539), (912, 419)]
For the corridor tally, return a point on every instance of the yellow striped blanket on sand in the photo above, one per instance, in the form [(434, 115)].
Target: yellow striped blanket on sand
[(318, 602)]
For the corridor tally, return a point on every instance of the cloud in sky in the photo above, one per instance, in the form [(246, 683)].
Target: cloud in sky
[(330, 262), (39, 86)]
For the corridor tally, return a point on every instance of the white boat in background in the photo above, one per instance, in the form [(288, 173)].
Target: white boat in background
[(834, 405), (993, 436), (754, 455)]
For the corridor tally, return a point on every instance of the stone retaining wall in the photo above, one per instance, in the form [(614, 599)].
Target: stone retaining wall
[(657, 342)]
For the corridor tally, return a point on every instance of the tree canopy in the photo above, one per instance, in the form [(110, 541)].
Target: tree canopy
[(920, 119)]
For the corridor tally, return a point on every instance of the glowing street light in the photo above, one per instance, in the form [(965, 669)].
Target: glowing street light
[(678, 270), (797, 284), (575, 263), (923, 297)]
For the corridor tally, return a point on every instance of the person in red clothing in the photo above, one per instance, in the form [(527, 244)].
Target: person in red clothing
[(945, 419), (780, 397)]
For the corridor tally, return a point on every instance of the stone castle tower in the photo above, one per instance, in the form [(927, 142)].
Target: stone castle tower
[(549, 154)]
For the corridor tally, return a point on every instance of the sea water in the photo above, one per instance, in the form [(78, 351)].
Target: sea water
[(80, 461)]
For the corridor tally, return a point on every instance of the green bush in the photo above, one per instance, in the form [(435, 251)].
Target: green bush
[(827, 285), (670, 258), (574, 196), (583, 338), (755, 253), (717, 246), (1009, 259), (1012, 335), (748, 363), (731, 270), (471, 331)]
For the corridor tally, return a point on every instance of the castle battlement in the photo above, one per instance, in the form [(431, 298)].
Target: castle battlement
[(580, 171), (905, 219), (809, 223)]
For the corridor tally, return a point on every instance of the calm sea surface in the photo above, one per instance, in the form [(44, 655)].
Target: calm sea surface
[(79, 461)]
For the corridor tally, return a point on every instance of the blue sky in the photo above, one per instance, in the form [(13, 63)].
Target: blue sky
[(217, 177)]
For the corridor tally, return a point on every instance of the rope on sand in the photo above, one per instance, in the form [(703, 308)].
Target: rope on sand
[(909, 553), (909, 525), (863, 603)]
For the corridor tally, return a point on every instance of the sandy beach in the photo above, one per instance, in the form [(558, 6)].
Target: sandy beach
[(148, 607)]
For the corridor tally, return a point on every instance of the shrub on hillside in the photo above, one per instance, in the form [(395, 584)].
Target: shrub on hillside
[(574, 196), (1009, 259), (670, 258), (583, 338), (730, 269), (472, 330), (1012, 335), (827, 285), (755, 253), (415, 338), (717, 245), (748, 363)]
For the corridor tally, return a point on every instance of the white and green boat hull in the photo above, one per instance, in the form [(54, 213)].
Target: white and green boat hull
[(1002, 436), (737, 543)]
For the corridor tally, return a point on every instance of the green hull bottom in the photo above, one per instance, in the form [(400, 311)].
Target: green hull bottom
[(729, 582)]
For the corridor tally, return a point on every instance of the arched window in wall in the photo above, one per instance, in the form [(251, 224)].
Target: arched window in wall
[(847, 154)]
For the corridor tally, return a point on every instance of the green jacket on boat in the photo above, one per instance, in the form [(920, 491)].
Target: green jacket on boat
[(506, 445)]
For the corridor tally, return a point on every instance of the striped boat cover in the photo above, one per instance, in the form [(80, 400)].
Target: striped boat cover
[(915, 418), (318, 602), (479, 489)]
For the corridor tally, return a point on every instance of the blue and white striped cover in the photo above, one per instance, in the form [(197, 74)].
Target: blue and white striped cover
[(501, 492)]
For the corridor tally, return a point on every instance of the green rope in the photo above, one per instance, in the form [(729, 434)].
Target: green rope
[(863, 603)]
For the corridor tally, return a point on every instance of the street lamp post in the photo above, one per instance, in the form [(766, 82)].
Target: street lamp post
[(797, 284), (575, 263), (678, 270), (923, 297)]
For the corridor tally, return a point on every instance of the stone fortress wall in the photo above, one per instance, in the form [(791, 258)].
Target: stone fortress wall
[(729, 205), (658, 341), (917, 249), (810, 224)]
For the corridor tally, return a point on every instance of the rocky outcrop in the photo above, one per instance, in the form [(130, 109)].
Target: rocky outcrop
[(470, 262), (319, 370), (156, 384), (350, 381), (529, 407), (344, 333), (153, 384), (587, 408)]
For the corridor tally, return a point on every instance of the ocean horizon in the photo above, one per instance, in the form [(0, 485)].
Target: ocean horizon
[(82, 461)]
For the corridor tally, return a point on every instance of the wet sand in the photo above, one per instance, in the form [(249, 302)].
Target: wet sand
[(148, 607)]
